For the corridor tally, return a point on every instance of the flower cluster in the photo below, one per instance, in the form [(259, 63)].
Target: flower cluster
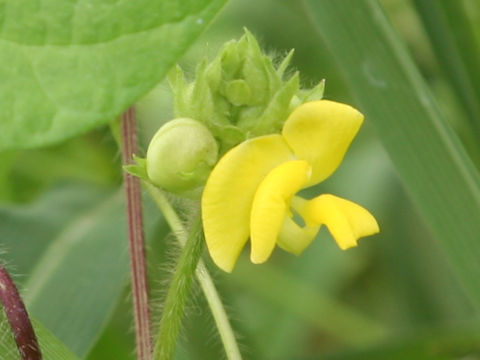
[(273, 139)]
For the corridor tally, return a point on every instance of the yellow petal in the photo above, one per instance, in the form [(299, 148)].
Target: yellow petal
[(270, 205), (228, 195), (295, 238), (345, 220), (321, 132)]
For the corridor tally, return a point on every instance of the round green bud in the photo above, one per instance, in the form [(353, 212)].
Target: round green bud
[(238, 92), (181, 156)]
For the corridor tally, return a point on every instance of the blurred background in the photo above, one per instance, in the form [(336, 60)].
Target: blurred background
[(392, 297)]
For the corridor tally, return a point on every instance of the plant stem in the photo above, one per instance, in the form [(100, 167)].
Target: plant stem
[(18, 318), (218, 311), (216, 307), (178, 294), (136, 241)]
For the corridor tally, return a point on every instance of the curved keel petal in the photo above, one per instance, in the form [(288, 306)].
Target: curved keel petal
[(270, 205), (294, 238), (345, 220)]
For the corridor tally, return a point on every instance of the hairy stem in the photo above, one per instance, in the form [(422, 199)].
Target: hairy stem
[(136, 241), (18, 318), (216, 307), (178, 295)]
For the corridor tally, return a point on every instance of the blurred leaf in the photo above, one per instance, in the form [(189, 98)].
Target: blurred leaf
[(460, 342), (92, 159), (28, 229), (428, 156), (453, 41), (76, 238), (320, 310), (468, 45), (8, 348), (67, 67), (116, 342), (7, 160), (79, 277), (51, 347), (420, 282)]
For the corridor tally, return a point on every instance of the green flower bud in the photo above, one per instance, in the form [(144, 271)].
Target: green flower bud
[(180, 156), (238, 92), (242, 93)]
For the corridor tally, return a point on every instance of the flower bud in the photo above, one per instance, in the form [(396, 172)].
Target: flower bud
[(180, 156), (238, 92)]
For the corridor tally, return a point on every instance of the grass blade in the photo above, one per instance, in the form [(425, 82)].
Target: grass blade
[(428, 156), (446, 23)]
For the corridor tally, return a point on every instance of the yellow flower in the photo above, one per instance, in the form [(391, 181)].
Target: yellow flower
[(251, 191)]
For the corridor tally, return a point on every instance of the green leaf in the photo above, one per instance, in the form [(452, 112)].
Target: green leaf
[(426, 153), (28, 229), (459, 342), (50, 346), (67, 67), (78, 274), (8, 348), (75, 237)]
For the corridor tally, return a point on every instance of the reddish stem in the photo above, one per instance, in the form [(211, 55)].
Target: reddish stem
[(18, 318), (136, 240)]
